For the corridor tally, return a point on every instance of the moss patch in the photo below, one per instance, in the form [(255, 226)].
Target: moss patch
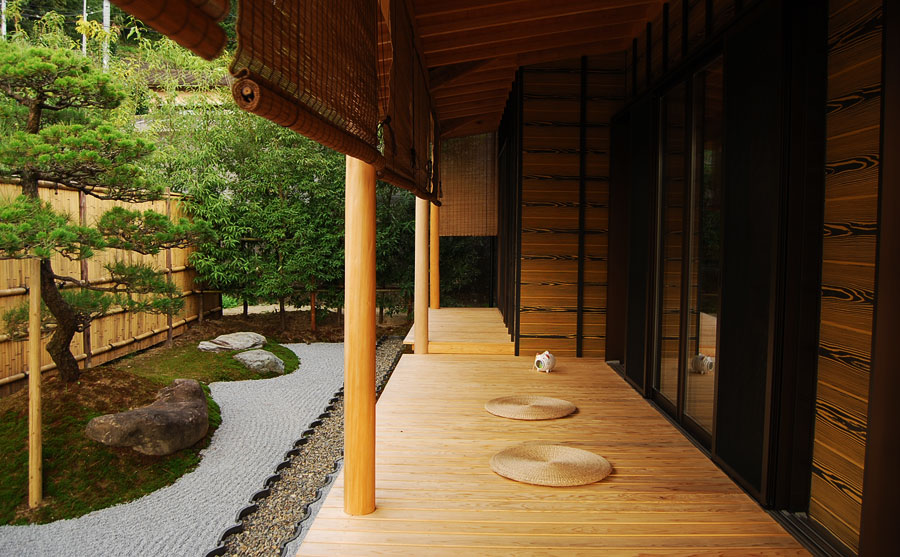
[(164, 365), (81, 475)]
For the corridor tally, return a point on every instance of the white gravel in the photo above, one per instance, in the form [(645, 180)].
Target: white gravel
[(260, 421)]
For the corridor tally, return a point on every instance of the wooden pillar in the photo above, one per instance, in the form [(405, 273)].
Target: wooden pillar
[(421, 294), (435, 259), (359, 339), (35, 473)]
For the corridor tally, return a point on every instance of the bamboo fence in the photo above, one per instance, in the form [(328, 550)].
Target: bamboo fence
[(114, 335)]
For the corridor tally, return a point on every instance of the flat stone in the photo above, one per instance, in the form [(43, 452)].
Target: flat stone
[(175, 420), (233, 341), (261, 361)]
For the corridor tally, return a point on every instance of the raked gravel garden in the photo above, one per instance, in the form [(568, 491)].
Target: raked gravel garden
[(262, 420)]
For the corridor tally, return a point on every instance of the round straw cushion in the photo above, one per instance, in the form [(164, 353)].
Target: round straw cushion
[(552, 465), (529, 407)]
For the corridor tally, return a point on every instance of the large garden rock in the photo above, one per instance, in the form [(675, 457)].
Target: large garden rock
[(261, 361), (233, 341), (176, 420)]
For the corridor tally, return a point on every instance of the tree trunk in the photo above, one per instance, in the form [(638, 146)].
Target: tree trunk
[(66, 320), (283, 316), (66, 326), (312, 311)]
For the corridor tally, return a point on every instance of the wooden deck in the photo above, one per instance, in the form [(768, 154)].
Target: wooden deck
[(436, 494), (466, 331)]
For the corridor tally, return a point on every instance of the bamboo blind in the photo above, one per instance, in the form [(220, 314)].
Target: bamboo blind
[(408, 125), (310, 66), (332, 70), (111, 336), (191, 23), (469, 186)]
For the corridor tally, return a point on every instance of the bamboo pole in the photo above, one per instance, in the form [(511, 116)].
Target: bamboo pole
[(35, 475), (421, 293), (435, 258), (169, 317), (82, 219), (359, 339)]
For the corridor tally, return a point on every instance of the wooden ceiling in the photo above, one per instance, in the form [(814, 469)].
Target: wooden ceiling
[(473, 47)]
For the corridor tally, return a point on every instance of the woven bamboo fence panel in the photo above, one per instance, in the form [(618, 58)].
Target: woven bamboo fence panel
[(114, 335)]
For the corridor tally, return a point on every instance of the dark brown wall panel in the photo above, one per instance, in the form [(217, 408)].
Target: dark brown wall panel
[(553, 218), (848, 270)]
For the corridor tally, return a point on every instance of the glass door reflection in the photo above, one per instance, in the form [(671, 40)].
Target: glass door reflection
[(706, 248), (673, 173)]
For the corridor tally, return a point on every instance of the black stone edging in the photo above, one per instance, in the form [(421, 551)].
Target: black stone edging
[(329, 478), (320, 492), (246, 511)]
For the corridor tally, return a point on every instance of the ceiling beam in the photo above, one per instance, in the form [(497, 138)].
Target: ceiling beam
[(472, 110), (614, 40), (601, 21), (452, 125), (487, 15), (501, 83), (472, 127), (436, 8), (445, 75), (569, 52), (487, 96), (493, 100)]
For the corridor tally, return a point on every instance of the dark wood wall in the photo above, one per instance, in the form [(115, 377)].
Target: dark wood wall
[(567, 107), (848, 270)]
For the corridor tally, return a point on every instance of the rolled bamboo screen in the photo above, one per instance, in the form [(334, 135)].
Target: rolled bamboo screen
[(113, 335), (469, 186), (191, 23), (332, 70), (311, 64)]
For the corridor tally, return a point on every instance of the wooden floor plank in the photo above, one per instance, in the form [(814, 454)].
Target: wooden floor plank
[(436, 494), (466, 331)]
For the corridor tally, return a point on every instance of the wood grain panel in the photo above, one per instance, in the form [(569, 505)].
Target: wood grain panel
[(848, 273), (553, 221)]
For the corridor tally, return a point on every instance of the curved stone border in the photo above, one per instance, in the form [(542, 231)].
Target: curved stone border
[(238, 526), (320, 492)]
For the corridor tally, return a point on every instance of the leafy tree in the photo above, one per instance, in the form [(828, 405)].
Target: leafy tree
[(92, 157), (395, 247), (273, 197)]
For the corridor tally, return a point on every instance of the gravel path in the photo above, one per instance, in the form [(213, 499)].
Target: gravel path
[(260, 421)]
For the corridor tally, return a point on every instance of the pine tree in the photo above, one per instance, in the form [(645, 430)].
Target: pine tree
[(95, 158)]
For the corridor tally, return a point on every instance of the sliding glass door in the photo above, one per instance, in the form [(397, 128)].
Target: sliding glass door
[(690, 247)]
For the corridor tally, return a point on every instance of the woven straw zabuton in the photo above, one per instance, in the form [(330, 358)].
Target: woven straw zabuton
[(550, 465), (528, 407)]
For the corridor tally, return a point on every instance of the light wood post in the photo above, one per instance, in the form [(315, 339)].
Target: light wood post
[(359, 339), (35, 472), (86, 333), (435, 258), (421, 294), (169, 319)]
